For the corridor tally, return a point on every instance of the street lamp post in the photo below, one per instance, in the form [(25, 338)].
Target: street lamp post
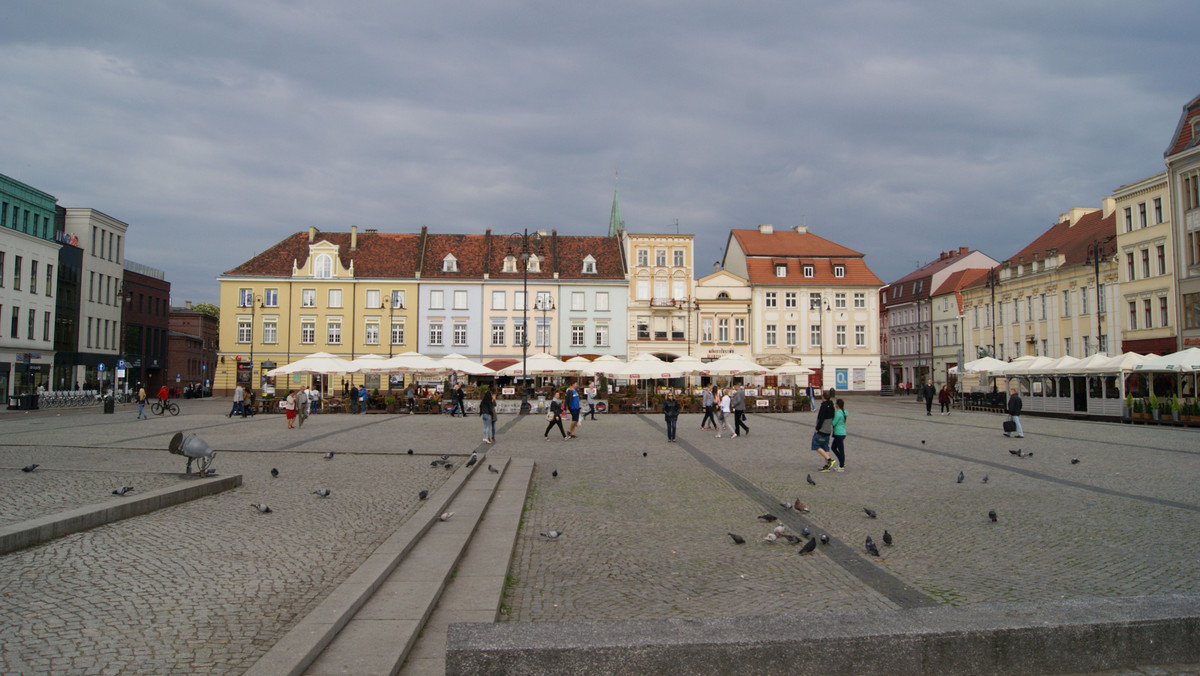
[(255, 302), (521, 241), (391, 306), (992, 317), (822, 306), (1095, 252), (545, 304)]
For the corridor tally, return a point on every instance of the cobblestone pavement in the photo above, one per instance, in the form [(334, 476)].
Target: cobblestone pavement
[(208, 586)]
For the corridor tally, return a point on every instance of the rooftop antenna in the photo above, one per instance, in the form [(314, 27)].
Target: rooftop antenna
[(676, 226)]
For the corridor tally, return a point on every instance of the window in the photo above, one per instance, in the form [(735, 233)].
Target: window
[(1067, 347), (643, 289), (678, 289), (1066, 303), (1129, 266), (839, 271), (2, 271), (839, 333), (308, 298), (334, 333), (589, 265), (1146, 313), (1162, 311), (46, 325), (449, 263), (660, 257), (372, 299), (602, 335), (519, 300), (397, 299), (397, 333), (739, 329), (541, 336), (781, 269), (860, 335), (814, 335), (771, 300), (814, 301), (435, 333), (1100, 297), (1083, 342), (308, 332), (577, 335), (519, 335), (789, 335), (643, 257), (723, 330), (789, 299), (437, 300), (16, 274), (1016, 311), (1161, 252), (498, 300), (1132, 315), (602, 301), (499, 330), (510, 263), (809, 271), (577, 301), (839, 300), (244, 332), (534, 264), (1128, 219), (1083, 300), (1158, 214), (860, 300), (542, 301), (371, 336), (460, 300), (1103, 344), (270, 333), (460, 334), (1142, 215), (678, 254), (89, 330), (660, 288), (33, 276), (335, 298), (323, 266), (1145, 263), (706, 330), (770, 332)]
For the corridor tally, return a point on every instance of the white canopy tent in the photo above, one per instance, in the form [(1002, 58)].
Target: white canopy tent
[(317, 363)]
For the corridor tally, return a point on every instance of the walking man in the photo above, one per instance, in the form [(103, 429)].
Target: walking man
[(239, 399), (927, 391), (573, 408), (739, 410), (710, 402), (1014, 414), (301, 405)]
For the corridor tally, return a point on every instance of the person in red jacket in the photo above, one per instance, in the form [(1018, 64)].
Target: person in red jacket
[(164, 394)]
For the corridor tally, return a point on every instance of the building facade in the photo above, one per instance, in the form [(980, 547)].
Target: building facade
[(192, 345), (660, 294), (146, 321), (28, 260), (1145, 256), (949, 323), (721, 305), (1183, 177), (813, 301)]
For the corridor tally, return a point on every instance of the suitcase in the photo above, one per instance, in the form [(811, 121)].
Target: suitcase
[(1009, 427)]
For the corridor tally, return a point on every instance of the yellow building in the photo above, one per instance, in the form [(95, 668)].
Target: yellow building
[(660, 287), (347, 294), (1043, 300), (722, 303), (1145, 256)]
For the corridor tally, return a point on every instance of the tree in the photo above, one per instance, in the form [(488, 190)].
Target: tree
[(208, 309)]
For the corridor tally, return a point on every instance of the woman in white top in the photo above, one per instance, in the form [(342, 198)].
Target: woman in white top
[(726, 417)]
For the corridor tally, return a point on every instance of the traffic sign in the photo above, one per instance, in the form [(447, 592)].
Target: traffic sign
[(100, 367)]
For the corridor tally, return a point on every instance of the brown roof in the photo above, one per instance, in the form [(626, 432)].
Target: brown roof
[(1072, 241), (762, 271), (960, 279), (378, 255), (1184, 138), (788, 243), (944, 260)]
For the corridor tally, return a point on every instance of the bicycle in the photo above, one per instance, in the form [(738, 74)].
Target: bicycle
[(160, 407)]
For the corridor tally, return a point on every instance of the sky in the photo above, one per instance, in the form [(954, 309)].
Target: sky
[(899, 129)]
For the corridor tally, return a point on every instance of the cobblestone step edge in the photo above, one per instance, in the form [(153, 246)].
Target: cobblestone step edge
[(1076, 636), (301, 645), (23, 534)]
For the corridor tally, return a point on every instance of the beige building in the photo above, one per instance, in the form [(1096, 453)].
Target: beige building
[(1043, 300), (1145, 256), (949, 322), (722, 303), (660, 291), (1183, 178)]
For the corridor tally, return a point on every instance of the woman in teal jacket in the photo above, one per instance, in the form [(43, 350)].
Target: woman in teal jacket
[(839, 435)]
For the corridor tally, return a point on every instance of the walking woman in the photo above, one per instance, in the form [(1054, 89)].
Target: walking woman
[(710, 405), (725, 416), (671, 413), (839, 435), (945, 398), (289, 408), (824, 428), (554, 415), (487, 410)]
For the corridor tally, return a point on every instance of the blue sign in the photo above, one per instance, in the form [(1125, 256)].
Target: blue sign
[(204, 367), (841, 379), (122, 364), (100, 367)]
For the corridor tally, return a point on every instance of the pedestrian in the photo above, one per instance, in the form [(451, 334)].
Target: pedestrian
[(289, 408), (301, 406), (554, 414), (362, 399), (314, 399), (710, 404), (671, 414), (944, 399), (487, 410), (725, 418), (141, 398), (738, 404), (353, 399), (239, 399), (163, 394), (1014, 414), (591, 402), (573, 408), (460, 400), (410, 393), (824, 429), (839, 435), (928, 391)]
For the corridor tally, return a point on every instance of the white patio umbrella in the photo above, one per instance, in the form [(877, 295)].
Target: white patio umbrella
[(979, 365), (735, 365), (791, 368), (411, 362), (369, 363), (540, 364), (1187, 360), (318, 362), (647, 366), (460, 363), (1120, 363)]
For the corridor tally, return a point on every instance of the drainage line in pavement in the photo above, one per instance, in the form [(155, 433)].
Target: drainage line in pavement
[(886, 584)]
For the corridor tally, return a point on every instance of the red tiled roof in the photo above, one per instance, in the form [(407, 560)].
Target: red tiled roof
[(762, 271), (943, 261), (378, 255), (789, 243), (1072, 241), (1184, 138), (909, 290), (960, 279)]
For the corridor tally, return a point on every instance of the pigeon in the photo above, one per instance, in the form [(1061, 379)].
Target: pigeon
[(444, 457), (870, 512), (645, 454), (771, 538), (261, 507), (449, 465), (208, 472), (123, 490), (410, 451), (423, 494), (792, 539), (1014, 452), (1074, 461), (445, 516), (322, 492), (870, 546), (960, 477), (808, 477), (554, 535), (922, 442), (805, 532), (329, 455), (554, 474), (824, 539), (992, 515), (737, 539), (984, 480), (274, 472), (30, 468), (493, 470), (808, 547), (780, 529), (785, 505), (436, 463), (474, 459), (767, 517), (799, 506), (887, 538)]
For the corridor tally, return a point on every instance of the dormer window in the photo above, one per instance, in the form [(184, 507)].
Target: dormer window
[(449, 263), (323, 266), (809, 271), (723, 296), (839, 271), (535, 264), (589, 265), (781, 269), (510, 263)]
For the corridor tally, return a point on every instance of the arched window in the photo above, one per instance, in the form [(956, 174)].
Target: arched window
[(323, 266)]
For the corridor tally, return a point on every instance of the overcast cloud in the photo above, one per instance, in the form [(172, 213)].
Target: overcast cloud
[(899, 129)]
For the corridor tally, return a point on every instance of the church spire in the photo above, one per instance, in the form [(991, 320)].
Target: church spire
[(615, 224)]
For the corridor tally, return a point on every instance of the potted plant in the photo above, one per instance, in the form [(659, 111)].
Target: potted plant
[(390, 401), (1138, 409), (1175, 409), (1154, 410), (1127, 409)]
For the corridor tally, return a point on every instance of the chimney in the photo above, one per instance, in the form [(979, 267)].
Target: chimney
[(716, 266), (1109, 205), (963, 251), (354, 238), (187, 305), (765, 228), (802, 229), (312, 234)]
